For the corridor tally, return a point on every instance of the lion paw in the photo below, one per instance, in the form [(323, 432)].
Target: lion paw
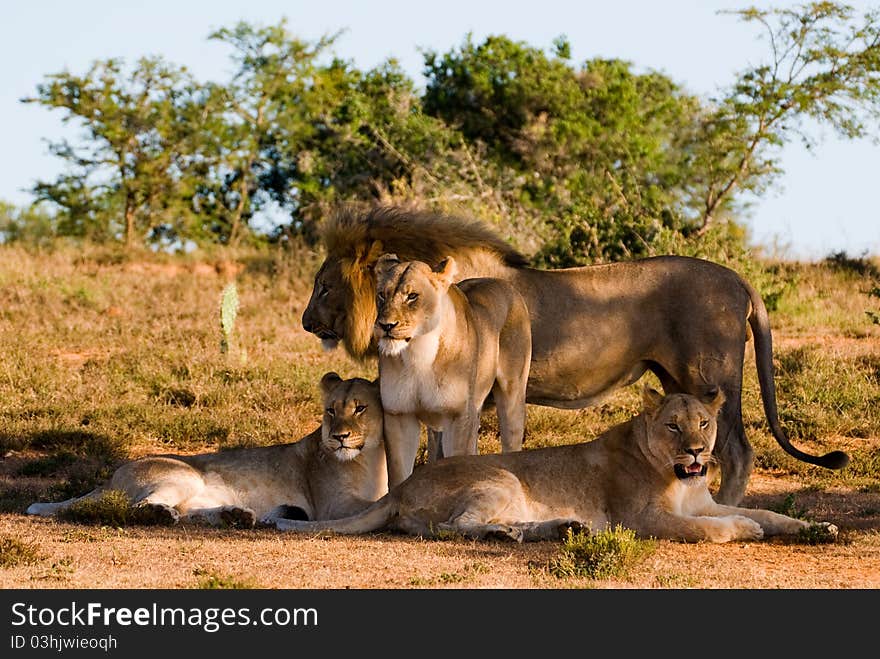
[(238, 518), (156, 513), (746, 529), (505, 532), (818, 532), (571, 525)]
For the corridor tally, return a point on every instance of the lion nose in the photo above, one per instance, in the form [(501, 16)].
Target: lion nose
[(387, 327), (341, 436), (695, 451)]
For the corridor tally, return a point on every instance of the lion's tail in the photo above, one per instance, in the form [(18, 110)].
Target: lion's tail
[(374, 518), (760, 324), (46, 509)]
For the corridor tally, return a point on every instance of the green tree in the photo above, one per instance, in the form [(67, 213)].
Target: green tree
[(125, 177), (823, 66), (271, 106), (31, 226), (591, 150)]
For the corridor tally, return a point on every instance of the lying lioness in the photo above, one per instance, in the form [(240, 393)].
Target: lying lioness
[(442, 349), (647, 474), (335, 471)]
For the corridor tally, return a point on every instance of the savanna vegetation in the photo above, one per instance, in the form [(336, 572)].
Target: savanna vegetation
[(147, 305)]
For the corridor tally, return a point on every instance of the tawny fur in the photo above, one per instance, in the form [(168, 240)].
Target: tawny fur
[(647, 474), (594, 329), (442, 349), (336, 470)]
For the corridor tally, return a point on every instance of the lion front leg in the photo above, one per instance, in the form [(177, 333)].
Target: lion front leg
[(774, 523), (401, 446), (691, 528)]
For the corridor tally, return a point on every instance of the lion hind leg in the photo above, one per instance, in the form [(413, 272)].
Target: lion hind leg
[(510, 403), (553, 529), (471, 527), (492, 508), (435, 445), (460, 436)]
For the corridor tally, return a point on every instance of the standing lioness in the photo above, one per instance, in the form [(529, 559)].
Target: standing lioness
[(337, 470), (647, 474), (442, 349)]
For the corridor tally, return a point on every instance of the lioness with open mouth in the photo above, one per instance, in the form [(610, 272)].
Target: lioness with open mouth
[(335, 471), (647, 474)]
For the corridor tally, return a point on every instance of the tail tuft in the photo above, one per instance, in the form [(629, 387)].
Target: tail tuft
[(834, 460)]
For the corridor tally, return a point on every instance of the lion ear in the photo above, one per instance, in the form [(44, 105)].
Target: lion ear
[(367, 256), (713, 398), (329, 381), (651, 399), (385, 263), (447, 270)]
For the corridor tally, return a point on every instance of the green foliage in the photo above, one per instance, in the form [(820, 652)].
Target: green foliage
[(859, 266), (111, 508), (49, 465), (822, 66), (129, 176), (17, 552), (573, 162), (33, 227), (209, 580), (816, 534), (601, 555), (789, 507)]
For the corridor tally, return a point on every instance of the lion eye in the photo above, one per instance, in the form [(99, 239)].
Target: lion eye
[(330, 411), (704, 423), (325, 291), (412, 297), (673, 427), (380, 298), (360, 409)]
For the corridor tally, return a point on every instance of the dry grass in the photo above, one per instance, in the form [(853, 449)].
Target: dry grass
[(106, 358)]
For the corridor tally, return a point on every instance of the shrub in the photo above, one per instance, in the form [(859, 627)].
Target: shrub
[(608, 553)]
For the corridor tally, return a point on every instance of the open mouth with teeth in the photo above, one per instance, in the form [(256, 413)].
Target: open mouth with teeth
[(693, 470)]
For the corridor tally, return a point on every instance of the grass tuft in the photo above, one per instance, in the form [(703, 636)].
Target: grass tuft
[(49, 465), (788, 507), (16, 552), (816, 534), (213, 581), (112, 508), (608, 553)]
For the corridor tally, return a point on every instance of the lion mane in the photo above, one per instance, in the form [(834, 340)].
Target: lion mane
[(356, 238)]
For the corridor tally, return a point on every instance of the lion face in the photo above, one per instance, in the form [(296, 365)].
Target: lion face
[(325, 313), (681, 432), (352, 416), (409, 298)]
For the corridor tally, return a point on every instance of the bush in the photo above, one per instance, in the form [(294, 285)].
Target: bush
[(608, 553)]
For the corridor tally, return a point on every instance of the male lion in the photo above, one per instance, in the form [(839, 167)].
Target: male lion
[(336, 470), (442, 349), (594, 328), (647, 474)]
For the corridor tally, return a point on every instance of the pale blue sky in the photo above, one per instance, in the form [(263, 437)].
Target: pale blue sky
[(825, 201)]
